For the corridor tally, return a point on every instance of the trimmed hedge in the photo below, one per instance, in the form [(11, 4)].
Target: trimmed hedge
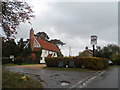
[(91, 62), (20, 60), (6, 60), (79, 62), (53, 62)]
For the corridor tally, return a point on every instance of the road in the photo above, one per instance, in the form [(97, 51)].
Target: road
[(71, 79), (54, 78), (108, 79)]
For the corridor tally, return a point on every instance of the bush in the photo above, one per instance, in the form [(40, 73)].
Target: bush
[(6, 60), (24, 60), (53, 62), (92, 62), (18, 60), (116, 61), (29, 60), (79, 62)]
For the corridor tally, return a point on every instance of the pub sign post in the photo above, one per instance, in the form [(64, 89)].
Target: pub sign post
[(93, 43)]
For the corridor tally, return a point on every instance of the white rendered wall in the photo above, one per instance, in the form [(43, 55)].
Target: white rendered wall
[(45, 53)]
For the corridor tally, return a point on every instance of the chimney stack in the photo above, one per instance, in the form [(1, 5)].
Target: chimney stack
[(32, 38), (43, 37)]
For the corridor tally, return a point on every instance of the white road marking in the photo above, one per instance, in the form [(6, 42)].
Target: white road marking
[(87, 80)]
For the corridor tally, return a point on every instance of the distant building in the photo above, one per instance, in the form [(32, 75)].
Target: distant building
[(48, 49), (86, 53)]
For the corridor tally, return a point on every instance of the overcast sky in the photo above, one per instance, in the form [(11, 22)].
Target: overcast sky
[(74, 23)]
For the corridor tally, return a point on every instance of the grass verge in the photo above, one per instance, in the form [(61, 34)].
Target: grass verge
[(27, 64), (111, 66), (9, 64), (12, 80), (67, 69)]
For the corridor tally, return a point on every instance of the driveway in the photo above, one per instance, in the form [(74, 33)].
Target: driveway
[(36, 66), (54, 78)]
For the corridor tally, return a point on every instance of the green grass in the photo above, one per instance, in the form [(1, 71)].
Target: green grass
[(9, 64), (67, 69), (27, 64), (12, 80), (112, 66)]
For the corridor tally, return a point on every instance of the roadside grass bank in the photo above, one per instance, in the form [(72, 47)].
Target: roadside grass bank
[(112, 66), (68, 69), (12, 80), (11, 64), (77, 69), (28, 64)]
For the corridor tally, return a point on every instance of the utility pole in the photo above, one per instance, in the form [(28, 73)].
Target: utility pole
[(93, 50), (69, 51)]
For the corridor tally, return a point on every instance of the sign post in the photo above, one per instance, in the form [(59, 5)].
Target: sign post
[(12, 58), (93, 43)]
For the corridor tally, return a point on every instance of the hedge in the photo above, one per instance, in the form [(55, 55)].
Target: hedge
[(6, 60), (116, 61), (79, 62), (53, 62), (18, 60)]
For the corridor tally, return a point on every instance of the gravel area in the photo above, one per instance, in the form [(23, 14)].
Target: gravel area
[(36, 66)]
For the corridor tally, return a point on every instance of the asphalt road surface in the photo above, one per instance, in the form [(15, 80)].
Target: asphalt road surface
[(54, 78), (108, 79), (71, 79)]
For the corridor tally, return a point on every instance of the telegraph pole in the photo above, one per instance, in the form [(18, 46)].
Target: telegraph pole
[(69, 51), (93, 50)]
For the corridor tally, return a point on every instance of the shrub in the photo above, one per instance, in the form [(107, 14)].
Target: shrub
[(18, 60), (29, 60), (53, 62), (91, 62), (79, 62), (6, 60), (116, 61)]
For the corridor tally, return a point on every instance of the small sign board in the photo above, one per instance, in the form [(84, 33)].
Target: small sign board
[(11, 56), (93, 40)]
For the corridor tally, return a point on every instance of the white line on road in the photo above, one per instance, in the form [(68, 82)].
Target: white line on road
[(86, 80), (90, 79)]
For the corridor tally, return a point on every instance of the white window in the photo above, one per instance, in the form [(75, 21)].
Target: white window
[(50, 52), (36, 44)]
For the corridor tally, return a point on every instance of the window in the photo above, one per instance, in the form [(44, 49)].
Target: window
[(36, 44)]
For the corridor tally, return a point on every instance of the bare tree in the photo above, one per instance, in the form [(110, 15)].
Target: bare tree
[(13, 13)]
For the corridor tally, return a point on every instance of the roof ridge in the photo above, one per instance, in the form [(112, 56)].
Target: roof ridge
[(47, 45)]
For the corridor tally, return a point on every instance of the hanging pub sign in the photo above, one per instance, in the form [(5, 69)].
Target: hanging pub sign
[(93, 40)]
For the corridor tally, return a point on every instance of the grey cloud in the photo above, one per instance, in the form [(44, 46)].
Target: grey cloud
[(81, 19), (76, 22)]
